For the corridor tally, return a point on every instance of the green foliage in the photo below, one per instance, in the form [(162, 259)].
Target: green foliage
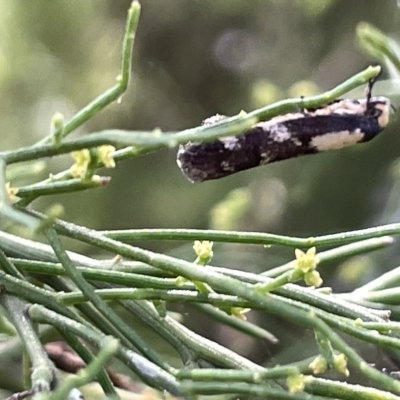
[(91, 302)]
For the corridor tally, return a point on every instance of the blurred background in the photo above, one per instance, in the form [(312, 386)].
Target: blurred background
[(193, 59)]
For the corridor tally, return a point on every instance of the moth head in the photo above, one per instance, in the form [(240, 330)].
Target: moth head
[(379, 107)]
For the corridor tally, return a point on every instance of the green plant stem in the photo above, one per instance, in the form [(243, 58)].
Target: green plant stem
[(193, 348), (92, 314), (152, 294), (241, 325), (176, 266), (346, 325), (190, 345), (147, 313), (349, 326), (115, 277), (72, 185), (9, 267), (229, 285), (34, 294), (187, 296), (107, 350), (347, 250), (233, 126), (131, 235), (26, 171), (93, 140), (30, 249), (88, 290), (81, 117), (232, 375), (386, 280), (145, 142), (44, 374), (87, 356), (344, 390), (330, 303), (34, 250), (389, 296), (378, 44), (211, 351), (382, 327), (289, 105), (219, 300), (325, 349), (261, 391), (117, 90), (154, 259), (316, 387), (5, 207), (149, 372), (277, 282)]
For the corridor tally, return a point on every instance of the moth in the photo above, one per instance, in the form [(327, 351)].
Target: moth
[(338, 124)]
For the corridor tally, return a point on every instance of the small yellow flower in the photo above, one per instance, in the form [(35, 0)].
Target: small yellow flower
[(82, 159), (203, 251), (306, 261), (106, 153), (318, 366), (340, 364), (296, 383), (358, 322), (313, 278), (57, 121), (57, 128), (239, 312), (11, 192)]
